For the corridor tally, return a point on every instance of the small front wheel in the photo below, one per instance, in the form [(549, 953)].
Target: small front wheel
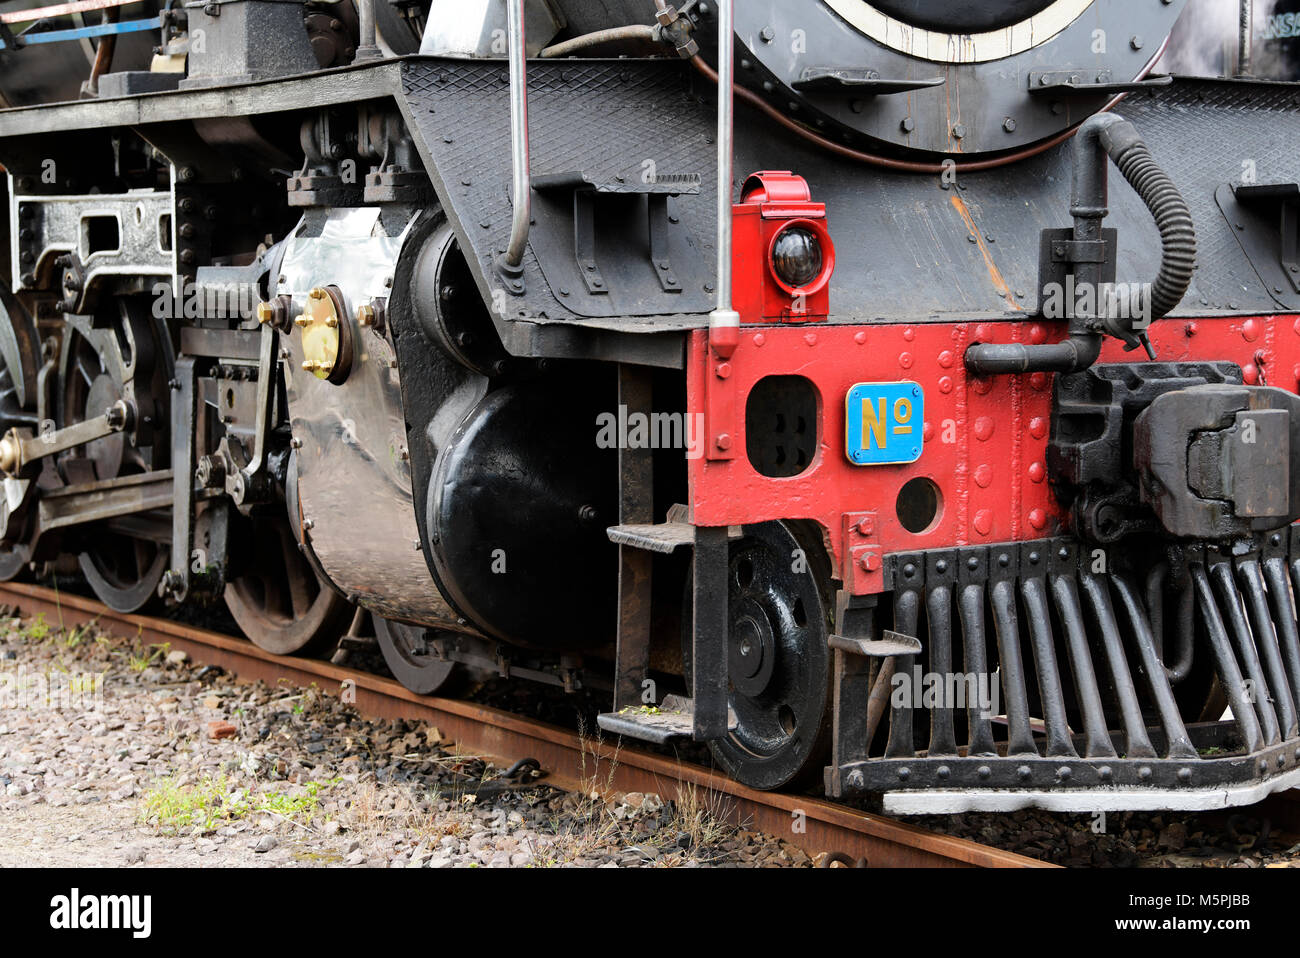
[(411, 659)]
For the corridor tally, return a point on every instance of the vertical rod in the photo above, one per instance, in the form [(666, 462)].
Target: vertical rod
[(943, 738), (1221, 576), (1137, 743), (1229, 673), (635, 566), (1252, 581), (1015, 696), (976, 662), (1051, 693), (724, 321), (1097, 741), (709, 630), (1245, 37), (907, 612), (367, 48), (1284, 613), (523, 184), (726, 134), (1179, 744)]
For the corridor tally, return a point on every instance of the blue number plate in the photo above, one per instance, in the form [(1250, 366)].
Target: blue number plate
[(884, 421)]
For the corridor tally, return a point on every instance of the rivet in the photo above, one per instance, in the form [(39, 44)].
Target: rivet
[(1144, 772), (984, 771), (904, 774), (1064, 773), (943, 771), (1104, 773), (1023, 772)]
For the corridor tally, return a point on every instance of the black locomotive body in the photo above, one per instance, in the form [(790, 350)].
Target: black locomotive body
[(446, 311)]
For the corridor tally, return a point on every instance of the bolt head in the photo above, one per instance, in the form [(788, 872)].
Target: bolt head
[(265, 313), (365, 315)]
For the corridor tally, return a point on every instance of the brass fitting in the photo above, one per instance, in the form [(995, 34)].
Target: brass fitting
[(10, 454)]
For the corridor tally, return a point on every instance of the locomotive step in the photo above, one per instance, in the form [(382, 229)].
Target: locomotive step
[(665, 537), (888, 645), (672, 718)]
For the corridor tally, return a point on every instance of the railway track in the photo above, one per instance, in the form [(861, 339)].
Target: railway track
[(475, 728)]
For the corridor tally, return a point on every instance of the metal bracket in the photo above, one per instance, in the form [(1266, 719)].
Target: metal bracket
[(1087, 82), (1266, 221), (586, 192), (175, 585), (1058, 253), (866, 82)]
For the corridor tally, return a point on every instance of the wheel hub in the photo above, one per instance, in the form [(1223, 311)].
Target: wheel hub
[(752, 649)]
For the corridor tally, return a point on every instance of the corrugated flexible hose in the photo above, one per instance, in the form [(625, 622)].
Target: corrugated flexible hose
[(1167, 206)]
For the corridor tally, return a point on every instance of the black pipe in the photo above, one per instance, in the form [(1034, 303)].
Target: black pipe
[(1068, 356), (1099, 138)]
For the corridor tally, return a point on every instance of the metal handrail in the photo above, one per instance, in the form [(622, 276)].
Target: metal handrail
[(724, 322), (523, 186)]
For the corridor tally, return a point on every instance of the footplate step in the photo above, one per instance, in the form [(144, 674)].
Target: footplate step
[(672, 718), (889, 644)]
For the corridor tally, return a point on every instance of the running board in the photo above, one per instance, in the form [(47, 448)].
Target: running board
[(673, 718)]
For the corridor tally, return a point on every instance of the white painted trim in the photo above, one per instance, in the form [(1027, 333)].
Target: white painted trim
[(957, 47), (934, 802)]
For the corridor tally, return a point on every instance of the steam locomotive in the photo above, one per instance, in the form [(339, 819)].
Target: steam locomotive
[(896, 394)]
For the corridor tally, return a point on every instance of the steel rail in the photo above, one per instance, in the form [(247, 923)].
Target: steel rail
[(481, 730)]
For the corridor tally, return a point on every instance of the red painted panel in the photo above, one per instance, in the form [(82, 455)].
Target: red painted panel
[(985, 439)]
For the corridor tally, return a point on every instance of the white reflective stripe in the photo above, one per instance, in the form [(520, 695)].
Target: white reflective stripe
[(959, 47), (948, 802)]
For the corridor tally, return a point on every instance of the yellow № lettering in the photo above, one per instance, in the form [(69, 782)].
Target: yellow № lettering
[(875, 422), (902, 414)]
